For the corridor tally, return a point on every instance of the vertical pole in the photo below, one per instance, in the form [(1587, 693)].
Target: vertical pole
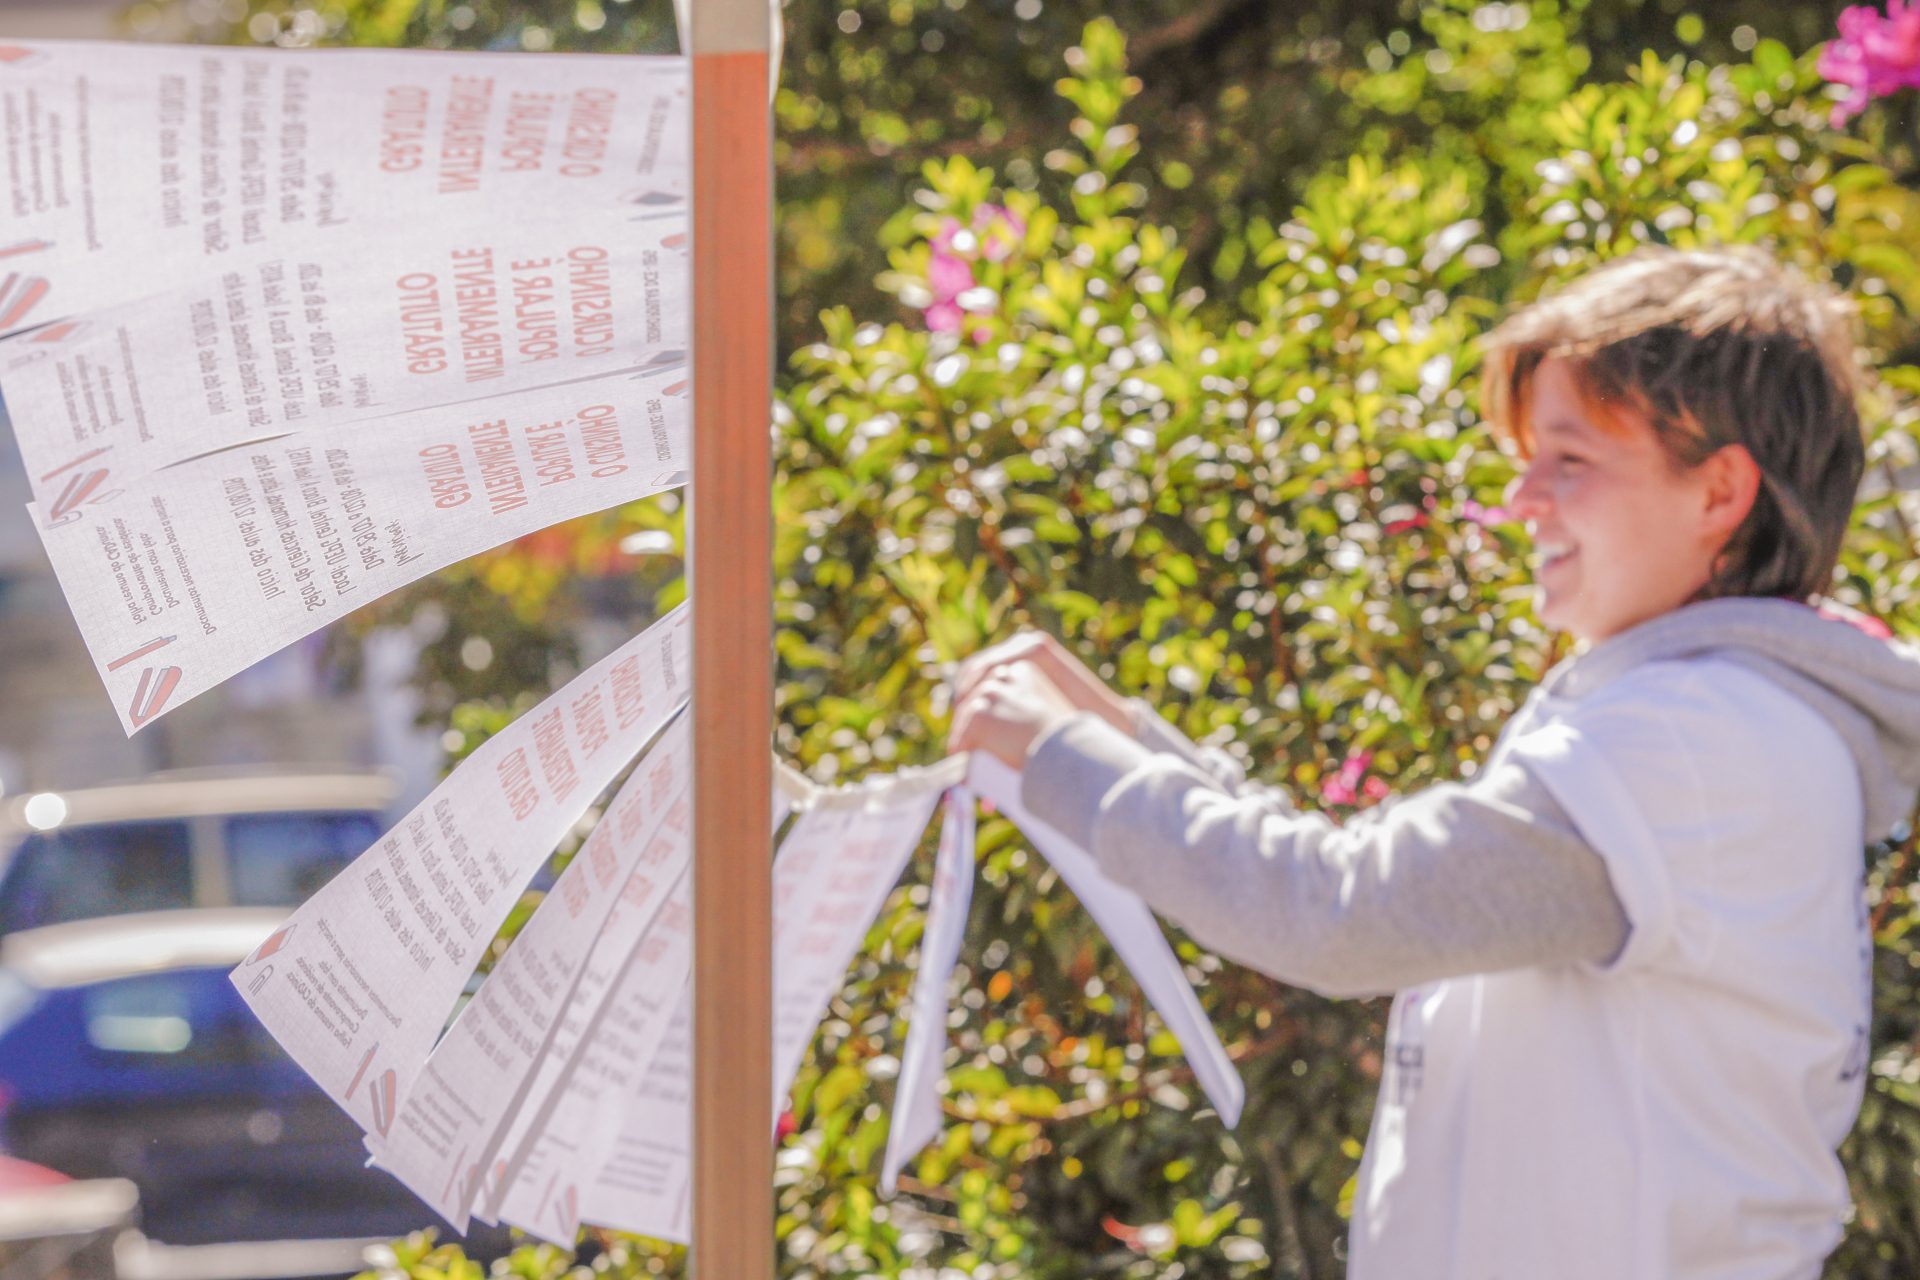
[(731, 576)]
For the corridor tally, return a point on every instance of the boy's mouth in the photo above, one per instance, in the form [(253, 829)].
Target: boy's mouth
[(1548, 555)]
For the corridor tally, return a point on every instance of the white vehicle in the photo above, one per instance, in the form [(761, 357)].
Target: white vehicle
[(126, 1053)]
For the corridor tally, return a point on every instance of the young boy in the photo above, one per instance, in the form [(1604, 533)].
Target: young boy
[(1631, 954)]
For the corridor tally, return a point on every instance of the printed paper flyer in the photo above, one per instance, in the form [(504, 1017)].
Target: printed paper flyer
[(184, 577), (327, 343), (606, 1074), (452, 1119), (357, 985), (834, 870), (135, 168), (600, 1058)]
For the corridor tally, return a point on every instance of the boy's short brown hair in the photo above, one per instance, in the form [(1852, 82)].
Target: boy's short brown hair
[(1713, 348)]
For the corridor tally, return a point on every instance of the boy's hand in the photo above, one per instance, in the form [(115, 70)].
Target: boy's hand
[(1082, 689), (1005, 712)]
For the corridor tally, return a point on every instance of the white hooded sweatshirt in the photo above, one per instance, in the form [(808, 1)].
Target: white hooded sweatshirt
[(1632, 955)]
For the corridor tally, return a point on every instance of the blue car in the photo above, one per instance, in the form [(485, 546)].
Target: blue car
[(124, 1049)]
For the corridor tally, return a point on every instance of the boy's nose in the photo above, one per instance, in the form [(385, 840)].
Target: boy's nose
[(1526, 496)]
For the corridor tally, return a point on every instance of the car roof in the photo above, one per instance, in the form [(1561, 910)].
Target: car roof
[(194, 793), (100, 950)]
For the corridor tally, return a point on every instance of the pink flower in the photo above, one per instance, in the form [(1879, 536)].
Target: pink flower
[(995, 234), (1406, 525), (1000, 231), (949, 276), (1486, 517), (1873, 56), (944, 317), (1344, 786)]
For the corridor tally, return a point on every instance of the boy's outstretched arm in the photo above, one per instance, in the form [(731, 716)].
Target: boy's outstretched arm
[(1047, 662), (1453, 880)]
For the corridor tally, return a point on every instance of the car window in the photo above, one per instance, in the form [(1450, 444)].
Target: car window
[(189, 1016), (280, 859), (80, 873), (17, 999)]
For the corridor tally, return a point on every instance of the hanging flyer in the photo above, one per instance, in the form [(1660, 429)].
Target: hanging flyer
[(184, 577), (357, 985), (452, 1118), (916, 1096), (644, 1184), (141, 167), (1130, 927), (595, 1062), (847, 853), (540, 1181), (838, 863), (313, 342)]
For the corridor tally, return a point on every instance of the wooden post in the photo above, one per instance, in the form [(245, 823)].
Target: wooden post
[(731, 576)]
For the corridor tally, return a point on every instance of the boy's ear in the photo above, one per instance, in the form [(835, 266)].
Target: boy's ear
[(1732, 484)]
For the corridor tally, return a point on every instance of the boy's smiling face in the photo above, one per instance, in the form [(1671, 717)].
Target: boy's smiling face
[(1621, 533)]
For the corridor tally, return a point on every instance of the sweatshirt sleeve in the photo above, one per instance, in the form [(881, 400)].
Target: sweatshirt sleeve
[(1151, 731), (1453, 880)]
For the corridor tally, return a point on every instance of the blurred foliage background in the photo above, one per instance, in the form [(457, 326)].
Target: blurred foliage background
[(1172, 352)]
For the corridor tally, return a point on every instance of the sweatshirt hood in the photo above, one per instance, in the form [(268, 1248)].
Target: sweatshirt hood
[(1836, 661)]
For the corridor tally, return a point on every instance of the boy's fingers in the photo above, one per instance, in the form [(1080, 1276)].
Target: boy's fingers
[(963, 734), (968, 671), (973, 670), (958, 733), (1077, 682), (1062, 668), (987, 661), (1033, 655)]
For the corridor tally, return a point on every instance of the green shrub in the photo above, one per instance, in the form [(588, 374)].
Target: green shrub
[(1272, 520)]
